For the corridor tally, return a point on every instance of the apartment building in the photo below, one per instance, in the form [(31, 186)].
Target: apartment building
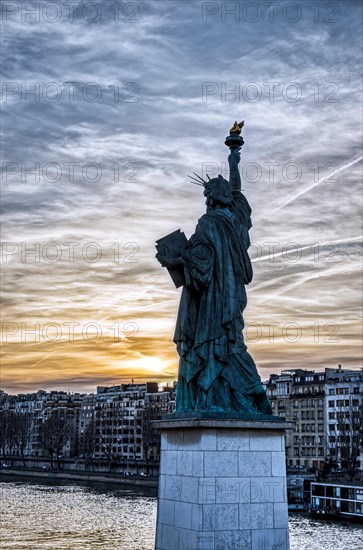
[(326, 407), (344, 416), (298, 395), (116, 422)]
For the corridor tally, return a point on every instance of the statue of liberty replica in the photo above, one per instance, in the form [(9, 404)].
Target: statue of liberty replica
[(216, 372)]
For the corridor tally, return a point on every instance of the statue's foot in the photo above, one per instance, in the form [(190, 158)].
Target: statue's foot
[(262, 403)]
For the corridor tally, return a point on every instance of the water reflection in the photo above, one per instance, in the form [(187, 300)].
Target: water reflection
[(90, 516), (310, 534), (76, 516)]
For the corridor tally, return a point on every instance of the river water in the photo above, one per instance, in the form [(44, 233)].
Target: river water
[(91, 516)]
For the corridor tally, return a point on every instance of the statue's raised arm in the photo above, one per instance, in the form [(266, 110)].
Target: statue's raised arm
[(234, 176), (235, 141)]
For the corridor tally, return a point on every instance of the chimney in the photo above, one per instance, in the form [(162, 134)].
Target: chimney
[(339, 367)]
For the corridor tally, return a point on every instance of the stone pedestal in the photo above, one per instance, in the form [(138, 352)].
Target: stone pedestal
[(222, 485)]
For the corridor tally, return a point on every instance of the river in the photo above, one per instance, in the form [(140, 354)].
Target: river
[(89, 516)]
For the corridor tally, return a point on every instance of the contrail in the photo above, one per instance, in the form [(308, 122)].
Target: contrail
[(336, 270), (303, 191), (44, 358)]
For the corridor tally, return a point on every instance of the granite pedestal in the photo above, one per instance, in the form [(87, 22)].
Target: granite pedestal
[(222, 485)]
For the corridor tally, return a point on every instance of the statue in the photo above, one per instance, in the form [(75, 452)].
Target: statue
[(216, 372)]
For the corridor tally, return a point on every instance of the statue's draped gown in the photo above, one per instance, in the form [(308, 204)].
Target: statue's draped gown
[(216, 372)]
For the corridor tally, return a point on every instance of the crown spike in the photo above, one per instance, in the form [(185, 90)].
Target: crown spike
[(201, 179), (196, 182)]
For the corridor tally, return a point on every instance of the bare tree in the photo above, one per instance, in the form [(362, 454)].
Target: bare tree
[(349, 436), (53, 434), (3, 421), (104, 425), (150, 434), (22, 433), (8, 434), (88, 444)]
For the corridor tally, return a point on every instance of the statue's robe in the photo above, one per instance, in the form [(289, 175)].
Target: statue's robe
[(216, 372)]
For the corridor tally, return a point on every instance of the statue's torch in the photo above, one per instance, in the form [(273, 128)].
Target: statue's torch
[(235, 139)]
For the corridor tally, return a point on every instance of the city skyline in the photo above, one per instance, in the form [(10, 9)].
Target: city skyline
[(95, 171), (324, 407), (167, 385)]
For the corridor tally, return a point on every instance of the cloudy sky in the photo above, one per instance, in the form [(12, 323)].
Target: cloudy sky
[(106, 109)]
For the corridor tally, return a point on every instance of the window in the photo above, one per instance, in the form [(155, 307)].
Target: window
[(331, 415), (331, 403), (332, 392)]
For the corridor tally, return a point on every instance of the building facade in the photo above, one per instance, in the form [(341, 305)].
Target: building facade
[(298, 395), (112, 426), (115, 425), (344, 417), (327, 410)]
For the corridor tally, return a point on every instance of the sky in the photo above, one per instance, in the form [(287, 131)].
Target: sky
[(106, 108)]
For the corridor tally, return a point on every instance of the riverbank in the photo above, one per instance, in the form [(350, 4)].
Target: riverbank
[(81, 476)]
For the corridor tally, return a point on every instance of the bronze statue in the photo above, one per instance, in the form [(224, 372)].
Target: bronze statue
[(216, 372)]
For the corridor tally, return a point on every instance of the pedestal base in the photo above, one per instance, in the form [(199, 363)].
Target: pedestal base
[(222, 485)]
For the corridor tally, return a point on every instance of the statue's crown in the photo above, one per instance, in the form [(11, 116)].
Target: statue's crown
[(198, 180)]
